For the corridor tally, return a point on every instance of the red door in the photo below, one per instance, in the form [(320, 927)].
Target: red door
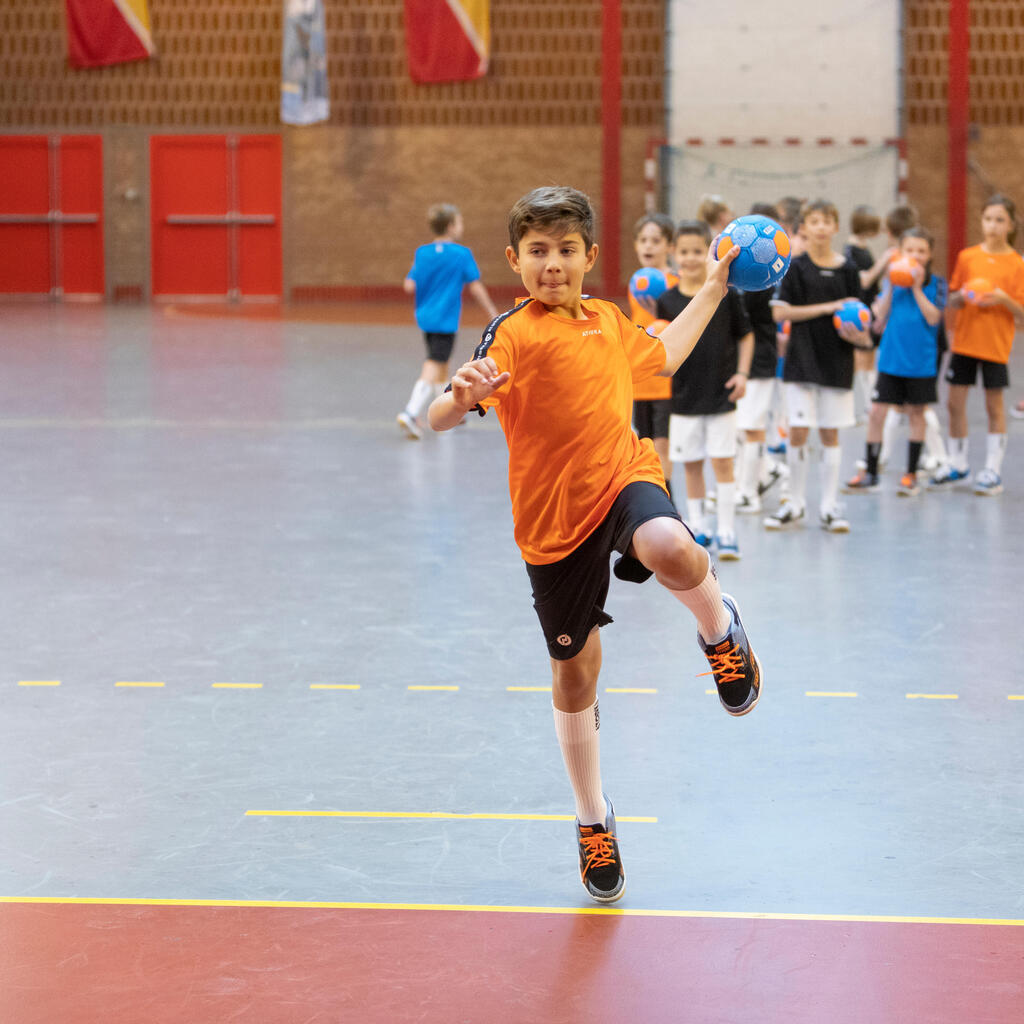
[(216, 216), (51, 215)]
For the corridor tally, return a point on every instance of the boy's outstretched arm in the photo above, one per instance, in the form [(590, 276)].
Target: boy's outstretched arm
[(472, 383), (479, 292), (682, 335)]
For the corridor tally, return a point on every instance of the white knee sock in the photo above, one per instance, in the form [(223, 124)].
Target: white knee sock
[(727, 507), (893, 420), (958, 453), (796, 458), (422, 395), (994, 452), (830, 459), (705, 601), (750, 471), (933, 442), (695, 514), (579, 739)]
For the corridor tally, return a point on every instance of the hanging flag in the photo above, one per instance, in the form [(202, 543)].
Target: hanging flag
[(447, 40), (304, 63), (102, 32)]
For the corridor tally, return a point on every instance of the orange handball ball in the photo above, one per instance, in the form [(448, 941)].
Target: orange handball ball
[(901, 271), (657, 327), (976, 289)]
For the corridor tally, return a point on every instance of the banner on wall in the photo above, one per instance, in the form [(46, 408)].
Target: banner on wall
[(102, 32), (304, 63), (447, 40)]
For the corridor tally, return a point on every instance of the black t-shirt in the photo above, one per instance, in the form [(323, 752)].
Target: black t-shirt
[(863, 259), (698, 386), (766, 346), (816, 354)]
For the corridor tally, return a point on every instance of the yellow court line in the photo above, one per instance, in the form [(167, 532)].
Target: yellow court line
[(237, 686), (733, 915), (451, 688), (711, 691), (139, 684), (1016, 696), (334, 686), (528, 689), (933, 696), (39, 682), (828, 693), (444, 815)]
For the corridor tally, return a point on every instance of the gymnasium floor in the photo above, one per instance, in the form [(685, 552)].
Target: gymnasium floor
[(277, 747)]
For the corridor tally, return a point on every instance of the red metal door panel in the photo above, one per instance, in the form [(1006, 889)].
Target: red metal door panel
[(81, 235), (25, 246), (216, 215)]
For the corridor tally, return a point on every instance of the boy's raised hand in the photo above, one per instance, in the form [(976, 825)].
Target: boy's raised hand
[(718, 270), (475, 381)]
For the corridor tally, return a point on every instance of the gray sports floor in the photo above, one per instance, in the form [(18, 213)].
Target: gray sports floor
[(199, 501)]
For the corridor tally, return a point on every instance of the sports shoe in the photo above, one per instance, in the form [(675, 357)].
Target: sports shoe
[(863, 483), (929, 465), (786, 514), (600, 864), (728, 549), (409, 426), (776, 472), (747, 505), (776, 449), (909, 487), (863, 464), (1017, 411), (703, 539), (948, 477), (832, 521), (734, 665), (988, 482)]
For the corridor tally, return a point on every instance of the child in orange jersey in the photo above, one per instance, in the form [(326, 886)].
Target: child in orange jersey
[(559, 369), (982, 327), (652, 239)]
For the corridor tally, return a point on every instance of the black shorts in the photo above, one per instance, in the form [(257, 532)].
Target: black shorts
[(569, 595), (893, 390), (439, 346), (964, 370), (650, 416)]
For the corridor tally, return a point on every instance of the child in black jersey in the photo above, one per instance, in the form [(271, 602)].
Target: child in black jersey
[(818, 376), (705, 391)]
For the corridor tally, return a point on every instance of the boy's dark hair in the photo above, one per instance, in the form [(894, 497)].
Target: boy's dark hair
[(900, 219), (440, 217), (694, 227), (823, 206), (766, 210), (557, 209), (661, 220), (864, 221), (1010, 207), (789, 208)]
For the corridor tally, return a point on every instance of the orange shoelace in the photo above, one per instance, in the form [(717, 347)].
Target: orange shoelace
[(600, 852), (726, 666)]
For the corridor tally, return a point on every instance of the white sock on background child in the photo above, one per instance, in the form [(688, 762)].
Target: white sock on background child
[(421, 397), (705, 601), (830, 459), (750, 469), (893, 421), (727, 508), (958, 450), (933, 442), (579, 739), (695, 514), (796, 458), (994, 452)]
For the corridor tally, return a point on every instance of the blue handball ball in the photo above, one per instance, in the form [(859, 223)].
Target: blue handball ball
[(648, 283), (764, 256), (852, 312)]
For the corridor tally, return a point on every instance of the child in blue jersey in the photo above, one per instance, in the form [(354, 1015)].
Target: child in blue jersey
[(439, 272), (907, 360)]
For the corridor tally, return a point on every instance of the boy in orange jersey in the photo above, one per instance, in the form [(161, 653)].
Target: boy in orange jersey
[(982, 331), (559, 369)]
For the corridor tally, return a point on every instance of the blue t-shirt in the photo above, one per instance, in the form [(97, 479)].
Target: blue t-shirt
[(441, 270), (910, 346)]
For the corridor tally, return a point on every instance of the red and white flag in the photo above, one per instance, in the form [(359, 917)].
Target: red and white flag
[(447, 40), (102, 32)]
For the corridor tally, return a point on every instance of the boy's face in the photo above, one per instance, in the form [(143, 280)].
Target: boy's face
[(651, 246), (552, 267), (691, 255), (918, 248), (819, 228)]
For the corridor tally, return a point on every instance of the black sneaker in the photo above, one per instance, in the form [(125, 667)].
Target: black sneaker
[(735, 666), (600, 864)]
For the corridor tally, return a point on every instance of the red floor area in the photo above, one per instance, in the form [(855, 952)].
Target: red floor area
[(78, 964)]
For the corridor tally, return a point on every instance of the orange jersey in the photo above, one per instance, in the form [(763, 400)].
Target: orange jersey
[(986, 332), (653, 388), (566, 416)]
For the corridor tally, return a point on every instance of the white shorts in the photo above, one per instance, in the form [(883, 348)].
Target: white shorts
[(694, 438), (815, 405), (753, 408)]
